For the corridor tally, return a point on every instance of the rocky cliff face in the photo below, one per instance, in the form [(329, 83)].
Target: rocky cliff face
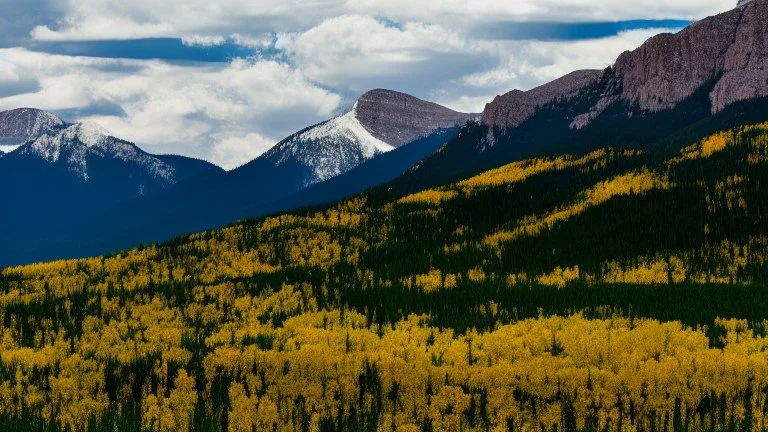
[(669, 68), (397, 118), (745, 66), (729, 50), (515, 107)]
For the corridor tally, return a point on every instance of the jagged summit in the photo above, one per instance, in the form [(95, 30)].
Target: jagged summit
[(743, 3), (398, 118)]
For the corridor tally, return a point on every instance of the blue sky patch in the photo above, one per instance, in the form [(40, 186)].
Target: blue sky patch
[(169, 49), (175, 50), (557, 31)]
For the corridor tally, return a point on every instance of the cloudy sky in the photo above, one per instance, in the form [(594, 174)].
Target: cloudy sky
[(224, 80)]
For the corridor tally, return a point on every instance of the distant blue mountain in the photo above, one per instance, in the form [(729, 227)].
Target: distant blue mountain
[(381, 137), (64, 174)]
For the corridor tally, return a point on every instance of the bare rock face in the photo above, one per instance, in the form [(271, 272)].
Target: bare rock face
[(731, 48), (729, 51), (669, 68), (745, 67), (25, 124), (515, 107), (397, 118)]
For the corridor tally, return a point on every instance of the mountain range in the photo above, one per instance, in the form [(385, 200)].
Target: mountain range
[(78, 191)]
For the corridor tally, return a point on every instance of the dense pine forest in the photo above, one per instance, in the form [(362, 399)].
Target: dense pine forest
[(610, 291)]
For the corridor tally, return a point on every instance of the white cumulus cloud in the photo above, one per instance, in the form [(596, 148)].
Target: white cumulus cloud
[(177, 109)]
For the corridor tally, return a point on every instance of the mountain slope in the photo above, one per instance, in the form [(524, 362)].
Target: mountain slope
[(368, 175), (158, 216), (521, 298)]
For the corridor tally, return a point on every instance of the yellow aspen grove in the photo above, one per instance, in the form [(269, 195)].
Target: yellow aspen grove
[(172, 413)]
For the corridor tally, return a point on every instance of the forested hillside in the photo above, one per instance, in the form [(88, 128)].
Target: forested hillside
[(614, 290)]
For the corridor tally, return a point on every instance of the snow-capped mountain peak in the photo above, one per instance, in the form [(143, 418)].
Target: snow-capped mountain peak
[(88, 132), (328, 149), (347, 126), (379, 122)]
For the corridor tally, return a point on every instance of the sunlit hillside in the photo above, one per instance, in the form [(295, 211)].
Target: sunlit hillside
[(615, 290)]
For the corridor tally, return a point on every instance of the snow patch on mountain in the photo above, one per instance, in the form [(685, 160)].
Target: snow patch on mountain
[(89, 133), (80, 143), (329, 149), (349, 127)]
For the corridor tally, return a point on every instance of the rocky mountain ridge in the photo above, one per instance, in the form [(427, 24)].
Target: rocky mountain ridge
[(729, 51), (515, 107)]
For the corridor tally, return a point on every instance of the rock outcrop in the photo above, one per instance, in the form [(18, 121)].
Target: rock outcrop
[(515, 107), (397, 118), (745, 66)]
